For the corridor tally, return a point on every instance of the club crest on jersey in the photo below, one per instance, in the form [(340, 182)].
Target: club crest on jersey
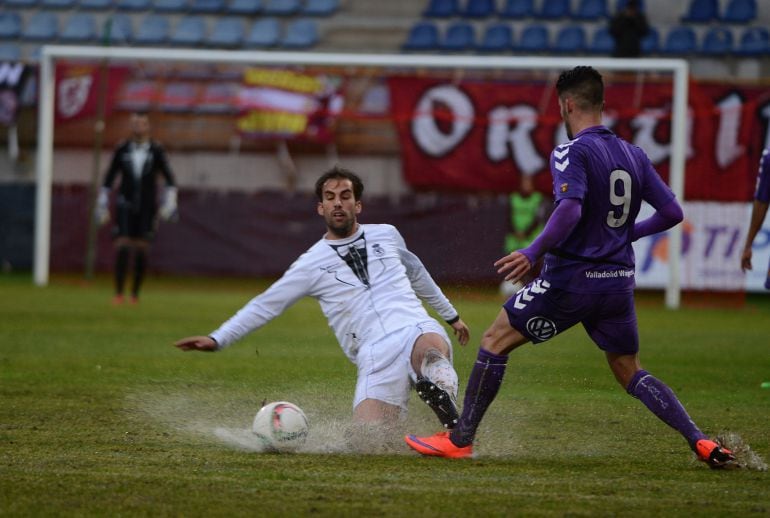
[(541, 328), (378, 250), (563, 187)]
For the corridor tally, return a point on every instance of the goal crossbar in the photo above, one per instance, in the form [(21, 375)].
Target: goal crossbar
[(50, 53)]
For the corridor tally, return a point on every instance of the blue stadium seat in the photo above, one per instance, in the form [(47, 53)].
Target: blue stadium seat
[(120, 27), (10, 52), (21, 3), (534, 39), (244, 7), (320, 7), (591, 10), (96, 5), (42, 26), (701, 11), (169, 6), (442, 9), (79, 28), (554, 9), (152, 30), (422, 36), (621, 4), (602, 42), (459, 36), (133, 5), (754, 41), (207, 6), (740, 11), (571, 39), (680, 40), (281, 7), (228, 32), (10, 25), (497, 37), (651, 43), (57, 4), (517, 9), (264, 32), (301, 33), (718, 41), (189, 31), (479, 9)]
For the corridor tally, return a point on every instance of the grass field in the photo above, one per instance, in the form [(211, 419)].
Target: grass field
[(100, 415)]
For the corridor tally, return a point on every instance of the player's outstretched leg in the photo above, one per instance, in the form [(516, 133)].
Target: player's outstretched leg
[(662, 402), (438, 387)]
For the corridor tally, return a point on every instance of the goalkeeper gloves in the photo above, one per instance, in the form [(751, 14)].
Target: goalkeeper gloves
[(102, 209), (168, 206)]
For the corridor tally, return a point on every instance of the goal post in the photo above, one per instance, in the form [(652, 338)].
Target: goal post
[(678, 68)]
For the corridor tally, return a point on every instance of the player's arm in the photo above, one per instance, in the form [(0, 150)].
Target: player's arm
[(168, 207), (102, 207), (758, 213), (560, 225), (668, 211)]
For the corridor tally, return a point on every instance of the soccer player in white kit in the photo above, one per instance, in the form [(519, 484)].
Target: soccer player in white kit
[(369, 286)]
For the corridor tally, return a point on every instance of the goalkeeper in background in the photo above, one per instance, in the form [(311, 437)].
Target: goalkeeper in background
[(138, 161), (758, 212)]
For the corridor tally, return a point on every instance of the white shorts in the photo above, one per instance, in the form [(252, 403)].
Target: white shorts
[(385, 370)]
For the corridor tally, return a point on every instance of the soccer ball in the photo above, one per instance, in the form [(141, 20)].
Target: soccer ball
[(281, 426)]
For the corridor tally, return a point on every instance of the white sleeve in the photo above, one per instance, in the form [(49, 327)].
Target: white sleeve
[(423, 284), (264, 307)]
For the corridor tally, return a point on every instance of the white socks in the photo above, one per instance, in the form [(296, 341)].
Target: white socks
[(438, 369)]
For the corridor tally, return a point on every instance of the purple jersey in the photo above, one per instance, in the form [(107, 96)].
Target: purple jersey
[(763, 180), (611, 178)]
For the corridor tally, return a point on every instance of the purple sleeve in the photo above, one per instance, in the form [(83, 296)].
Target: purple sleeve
[(762, 193), (559, 226), (664, 218)]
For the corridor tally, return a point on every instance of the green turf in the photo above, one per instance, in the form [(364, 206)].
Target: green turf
[(100, 415)]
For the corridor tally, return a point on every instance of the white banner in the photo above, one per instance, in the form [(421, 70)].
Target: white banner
[(712, 244)]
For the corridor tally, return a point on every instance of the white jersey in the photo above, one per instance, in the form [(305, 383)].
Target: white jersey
[(367, 285)]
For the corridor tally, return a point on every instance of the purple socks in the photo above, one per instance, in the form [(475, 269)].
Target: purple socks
[(483, 384), (662, 402)]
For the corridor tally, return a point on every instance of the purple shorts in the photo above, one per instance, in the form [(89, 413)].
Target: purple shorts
[(540, 312)]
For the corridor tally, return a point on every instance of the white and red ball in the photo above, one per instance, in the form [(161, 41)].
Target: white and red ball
[(281, 426)]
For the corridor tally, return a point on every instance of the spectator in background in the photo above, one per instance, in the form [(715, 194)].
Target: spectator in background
[(138, 161), (529, 210), (758, 212), (628, 27)]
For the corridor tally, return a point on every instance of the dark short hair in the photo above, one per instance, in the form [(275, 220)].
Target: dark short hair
[(583, 83), (340, 173)]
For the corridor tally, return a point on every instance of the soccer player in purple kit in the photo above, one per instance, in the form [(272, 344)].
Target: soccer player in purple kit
[(588, 272), (758, 212)]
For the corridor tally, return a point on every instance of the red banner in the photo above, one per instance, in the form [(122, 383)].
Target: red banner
[(481, 136), (77, 89)]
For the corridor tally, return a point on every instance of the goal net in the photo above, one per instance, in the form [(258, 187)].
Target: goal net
[(441, 142)]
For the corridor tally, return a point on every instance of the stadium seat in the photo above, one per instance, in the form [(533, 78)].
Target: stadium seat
[(497, 37), (206, 6), (219, 97), (244, 7), (153, 29), (228, 32), (281, 7), (169, 6), (320, 7), (602, 42), (10, 52), (680, 40), (479, 9), (701, 11), (264, 32), (459, 36), (422, 36), (42, 26), (133, 5), (10, 25), (517, 9), (95, 5), (651, 43), (21, 3), (57, 4), (534, 39), (120, 29), (591, 10), (301, 33), (621, 4), (718, 41), (754, 41), (570, 39), (80, 27), (178, 97), (554, 9), (441, 9), (740, 11), (189, 31)]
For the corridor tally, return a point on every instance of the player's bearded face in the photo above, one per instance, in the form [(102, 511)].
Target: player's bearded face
[(565, 117), (339, 207)]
